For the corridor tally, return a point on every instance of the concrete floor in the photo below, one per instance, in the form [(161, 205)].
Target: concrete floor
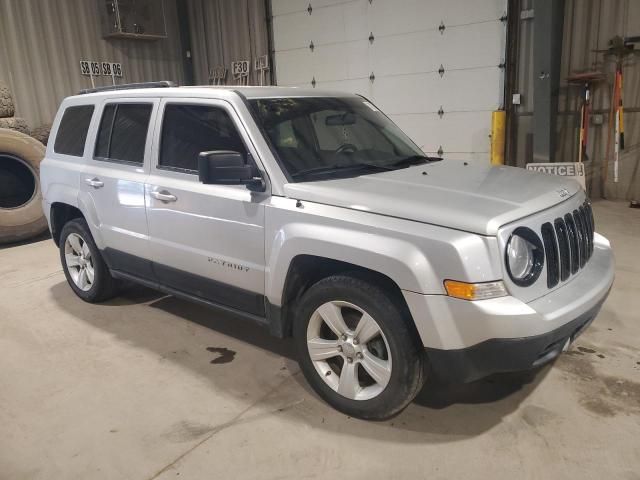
[(147, 387)]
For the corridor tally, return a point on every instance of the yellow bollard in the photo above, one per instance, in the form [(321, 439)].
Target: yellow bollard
[(498, 121)]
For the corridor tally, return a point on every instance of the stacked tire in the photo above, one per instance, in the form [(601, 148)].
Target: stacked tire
[(15, 123), (21, 215), (7, 113), (41, 133), (7, 109)]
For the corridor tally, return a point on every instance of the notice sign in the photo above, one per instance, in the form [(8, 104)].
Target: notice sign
[(574, 170)]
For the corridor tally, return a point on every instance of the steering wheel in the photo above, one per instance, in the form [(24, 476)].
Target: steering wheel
[(346, 147)]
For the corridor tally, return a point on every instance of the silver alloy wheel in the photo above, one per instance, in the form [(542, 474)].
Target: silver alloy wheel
[(79, 261), (351, 354)]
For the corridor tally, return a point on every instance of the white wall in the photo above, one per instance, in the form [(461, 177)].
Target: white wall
[(405, 56)]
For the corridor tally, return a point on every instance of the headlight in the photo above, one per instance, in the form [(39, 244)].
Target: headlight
[(524, 256)]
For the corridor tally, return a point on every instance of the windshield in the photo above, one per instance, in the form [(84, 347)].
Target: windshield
[(318, 138)]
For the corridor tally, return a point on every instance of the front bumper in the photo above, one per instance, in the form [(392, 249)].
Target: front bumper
[(469, 340), (507, 354)]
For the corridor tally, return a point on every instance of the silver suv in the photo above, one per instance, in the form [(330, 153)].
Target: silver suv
[(313, 214)]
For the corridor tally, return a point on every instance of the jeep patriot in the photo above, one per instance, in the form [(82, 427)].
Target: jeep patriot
[(313, 214)]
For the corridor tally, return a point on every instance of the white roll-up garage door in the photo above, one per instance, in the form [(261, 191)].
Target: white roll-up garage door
[(434, 66)]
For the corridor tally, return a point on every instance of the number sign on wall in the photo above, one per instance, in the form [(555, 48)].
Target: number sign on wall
[(240, 68), (96, 69)]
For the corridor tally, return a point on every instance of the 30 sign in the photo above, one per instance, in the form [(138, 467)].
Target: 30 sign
[(240, 68)]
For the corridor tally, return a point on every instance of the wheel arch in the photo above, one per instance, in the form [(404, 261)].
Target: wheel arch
[(305, 270), (60, 214)]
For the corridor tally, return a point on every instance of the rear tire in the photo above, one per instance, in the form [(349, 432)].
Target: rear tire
[(83, 265), (373, 369)]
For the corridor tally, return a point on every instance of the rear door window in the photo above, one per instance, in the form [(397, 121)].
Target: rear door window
[(123, 132), (72, 132)]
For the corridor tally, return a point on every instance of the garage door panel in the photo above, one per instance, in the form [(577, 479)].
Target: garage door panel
[(294, 66), (462, 47), (291, 31), (475, 45), (455, 132), (356, 20), (406, 54), (401, 16), (327, 25), (319, 4), (461, 90), (459, 12), (330, 63), (282, 7), (341, 62)]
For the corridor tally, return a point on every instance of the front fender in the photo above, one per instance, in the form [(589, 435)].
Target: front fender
[(418, 257), (398, 259)]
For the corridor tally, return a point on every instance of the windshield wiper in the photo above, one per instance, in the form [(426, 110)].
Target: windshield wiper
[(414, 160), (403, 162), (332, 168)]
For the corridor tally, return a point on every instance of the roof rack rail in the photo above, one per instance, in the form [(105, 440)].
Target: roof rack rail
[(129, 86)]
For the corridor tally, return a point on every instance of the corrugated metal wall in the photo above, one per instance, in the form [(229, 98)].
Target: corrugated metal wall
[(224, 31), (43, 41), (589, 25)]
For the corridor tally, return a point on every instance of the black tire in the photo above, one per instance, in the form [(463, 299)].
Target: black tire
[(407, 372), (104, 286), (6, 102), (21, 215)]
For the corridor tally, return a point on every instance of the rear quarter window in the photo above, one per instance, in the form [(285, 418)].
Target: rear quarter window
[(73, 129)]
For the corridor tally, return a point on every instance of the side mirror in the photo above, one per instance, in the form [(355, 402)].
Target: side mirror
[(227, 168)]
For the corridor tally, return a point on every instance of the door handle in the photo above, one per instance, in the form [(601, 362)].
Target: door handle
[(94, 182), (164, 196)]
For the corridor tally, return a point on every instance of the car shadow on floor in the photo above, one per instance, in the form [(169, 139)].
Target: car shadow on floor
[(440, 413), (38, 238)]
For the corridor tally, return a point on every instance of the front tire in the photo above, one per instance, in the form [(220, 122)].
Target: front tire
[(356, 348), (83, 265)]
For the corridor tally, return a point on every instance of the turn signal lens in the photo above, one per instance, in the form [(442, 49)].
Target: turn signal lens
[(474, 291)]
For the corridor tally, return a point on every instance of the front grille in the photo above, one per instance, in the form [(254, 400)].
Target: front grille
[(568, 243)]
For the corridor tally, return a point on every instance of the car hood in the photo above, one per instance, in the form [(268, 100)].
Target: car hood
[(477, 199)]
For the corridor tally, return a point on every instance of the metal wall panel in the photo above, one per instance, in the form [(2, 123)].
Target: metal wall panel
[(589, 25), (405, 54), (43, 41), (224, 31)]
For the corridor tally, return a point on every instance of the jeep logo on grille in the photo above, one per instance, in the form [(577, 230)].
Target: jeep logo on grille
[(563, 192)]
